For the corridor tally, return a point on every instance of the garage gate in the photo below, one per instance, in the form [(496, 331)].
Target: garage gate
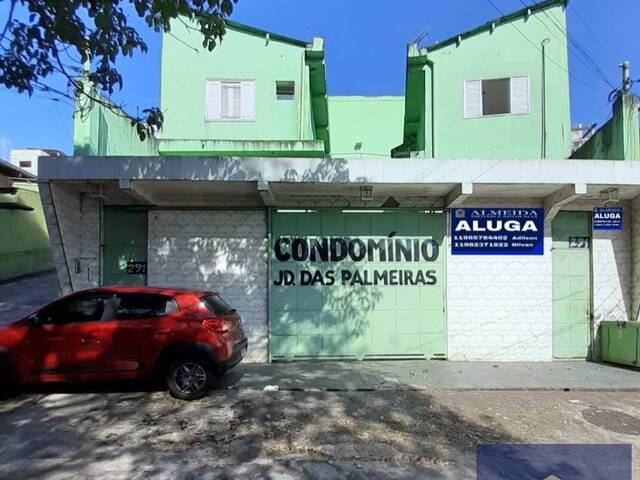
[(357, 284)]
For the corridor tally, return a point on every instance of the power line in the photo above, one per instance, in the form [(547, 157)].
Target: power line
[(586, 59), (577, 79), (595, 36)]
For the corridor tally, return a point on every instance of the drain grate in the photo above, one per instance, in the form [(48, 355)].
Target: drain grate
[(612, 420)]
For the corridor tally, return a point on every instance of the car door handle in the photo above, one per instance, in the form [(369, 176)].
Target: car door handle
[(163, 332)]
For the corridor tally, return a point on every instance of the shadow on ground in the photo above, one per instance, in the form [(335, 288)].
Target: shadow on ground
[(118, 431)]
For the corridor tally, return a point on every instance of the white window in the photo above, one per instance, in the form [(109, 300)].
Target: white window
[(230, 101), (499, 96)]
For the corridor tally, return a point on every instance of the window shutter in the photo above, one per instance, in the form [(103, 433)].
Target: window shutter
[(520, 95), (230, 100), (472, 98), (214, 100), (248, 100)]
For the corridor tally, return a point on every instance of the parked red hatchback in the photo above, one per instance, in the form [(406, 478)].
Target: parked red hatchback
[(180, 337)]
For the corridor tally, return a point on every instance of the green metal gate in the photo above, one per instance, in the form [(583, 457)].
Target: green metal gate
[(389, 303), (571, 285), (124, 246)]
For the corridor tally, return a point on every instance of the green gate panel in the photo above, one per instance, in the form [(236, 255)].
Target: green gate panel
[(345, 320), (124, 234), (571, 285)]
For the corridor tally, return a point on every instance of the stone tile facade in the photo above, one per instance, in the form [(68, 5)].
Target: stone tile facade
[(220, 250), (73, 221), (499, 307)]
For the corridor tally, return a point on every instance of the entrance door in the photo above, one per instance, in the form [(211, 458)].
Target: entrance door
[(357, 284), (571, 285), (124, 248)]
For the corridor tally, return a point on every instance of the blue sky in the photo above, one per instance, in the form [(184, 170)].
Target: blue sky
[(365, 46)]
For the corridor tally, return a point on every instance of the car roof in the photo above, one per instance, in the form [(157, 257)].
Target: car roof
[(170, 292)]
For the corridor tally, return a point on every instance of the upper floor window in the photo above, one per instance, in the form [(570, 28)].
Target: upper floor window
[(285, 90), (25, 163), (499, 96), (230, 101)]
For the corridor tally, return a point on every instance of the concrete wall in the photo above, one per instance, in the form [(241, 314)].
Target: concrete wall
[(504, 53), (499, 308), (24, 243), (73, 221), (365, 127), (222, 250)]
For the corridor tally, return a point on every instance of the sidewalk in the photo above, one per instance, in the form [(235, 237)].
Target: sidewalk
[(431, 375)]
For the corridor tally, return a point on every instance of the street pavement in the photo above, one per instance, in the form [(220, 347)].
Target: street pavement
[(20, 297), (432, 375)]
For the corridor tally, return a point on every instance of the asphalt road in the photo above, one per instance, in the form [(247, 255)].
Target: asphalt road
[(297, 435)]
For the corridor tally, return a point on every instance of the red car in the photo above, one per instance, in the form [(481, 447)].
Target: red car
[(180, 337)]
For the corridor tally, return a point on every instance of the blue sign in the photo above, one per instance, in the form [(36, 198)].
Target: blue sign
[(497, 231), (566, 462), (607, 218)]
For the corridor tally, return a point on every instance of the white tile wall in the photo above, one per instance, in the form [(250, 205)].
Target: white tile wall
[(73, 221), (612, 266), (223, 250), (499, 307)]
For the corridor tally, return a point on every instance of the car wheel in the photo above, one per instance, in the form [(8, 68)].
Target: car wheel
[(189, 378)]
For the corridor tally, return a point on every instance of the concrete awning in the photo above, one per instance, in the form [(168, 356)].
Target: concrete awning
[(231, 181)]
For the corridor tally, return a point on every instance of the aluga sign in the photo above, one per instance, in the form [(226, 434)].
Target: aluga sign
[(497, 231)]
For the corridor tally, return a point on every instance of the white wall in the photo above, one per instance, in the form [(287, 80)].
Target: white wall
[(73, 222), (499, 306), (27, 155), (221, 250)]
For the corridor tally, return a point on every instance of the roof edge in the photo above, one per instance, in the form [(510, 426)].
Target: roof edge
[(263, 33), (534, 8)]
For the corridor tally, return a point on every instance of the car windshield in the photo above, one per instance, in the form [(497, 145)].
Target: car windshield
[(217, 305)]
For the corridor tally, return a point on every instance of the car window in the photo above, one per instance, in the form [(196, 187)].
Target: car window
[(216, 304), (134, 306), (78, 309)]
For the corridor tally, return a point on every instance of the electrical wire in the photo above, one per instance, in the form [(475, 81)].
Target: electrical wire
[(577, 79), (573, 42), (594, 35)]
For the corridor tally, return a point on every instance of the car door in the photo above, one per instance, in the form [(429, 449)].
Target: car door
[(62, 341), (128, 338)]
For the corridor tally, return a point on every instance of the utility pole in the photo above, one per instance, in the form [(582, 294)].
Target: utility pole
[(626, 78)]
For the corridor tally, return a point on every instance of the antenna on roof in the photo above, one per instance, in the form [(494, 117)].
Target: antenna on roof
[(424, 34)]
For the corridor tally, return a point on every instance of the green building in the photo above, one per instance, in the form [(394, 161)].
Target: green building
[(24, 242), (364, 227)]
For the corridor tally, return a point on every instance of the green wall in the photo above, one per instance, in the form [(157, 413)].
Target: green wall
[(373, 122), (618, 139), (496, 53), (240, 56), (24, 241), (99, 131)]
